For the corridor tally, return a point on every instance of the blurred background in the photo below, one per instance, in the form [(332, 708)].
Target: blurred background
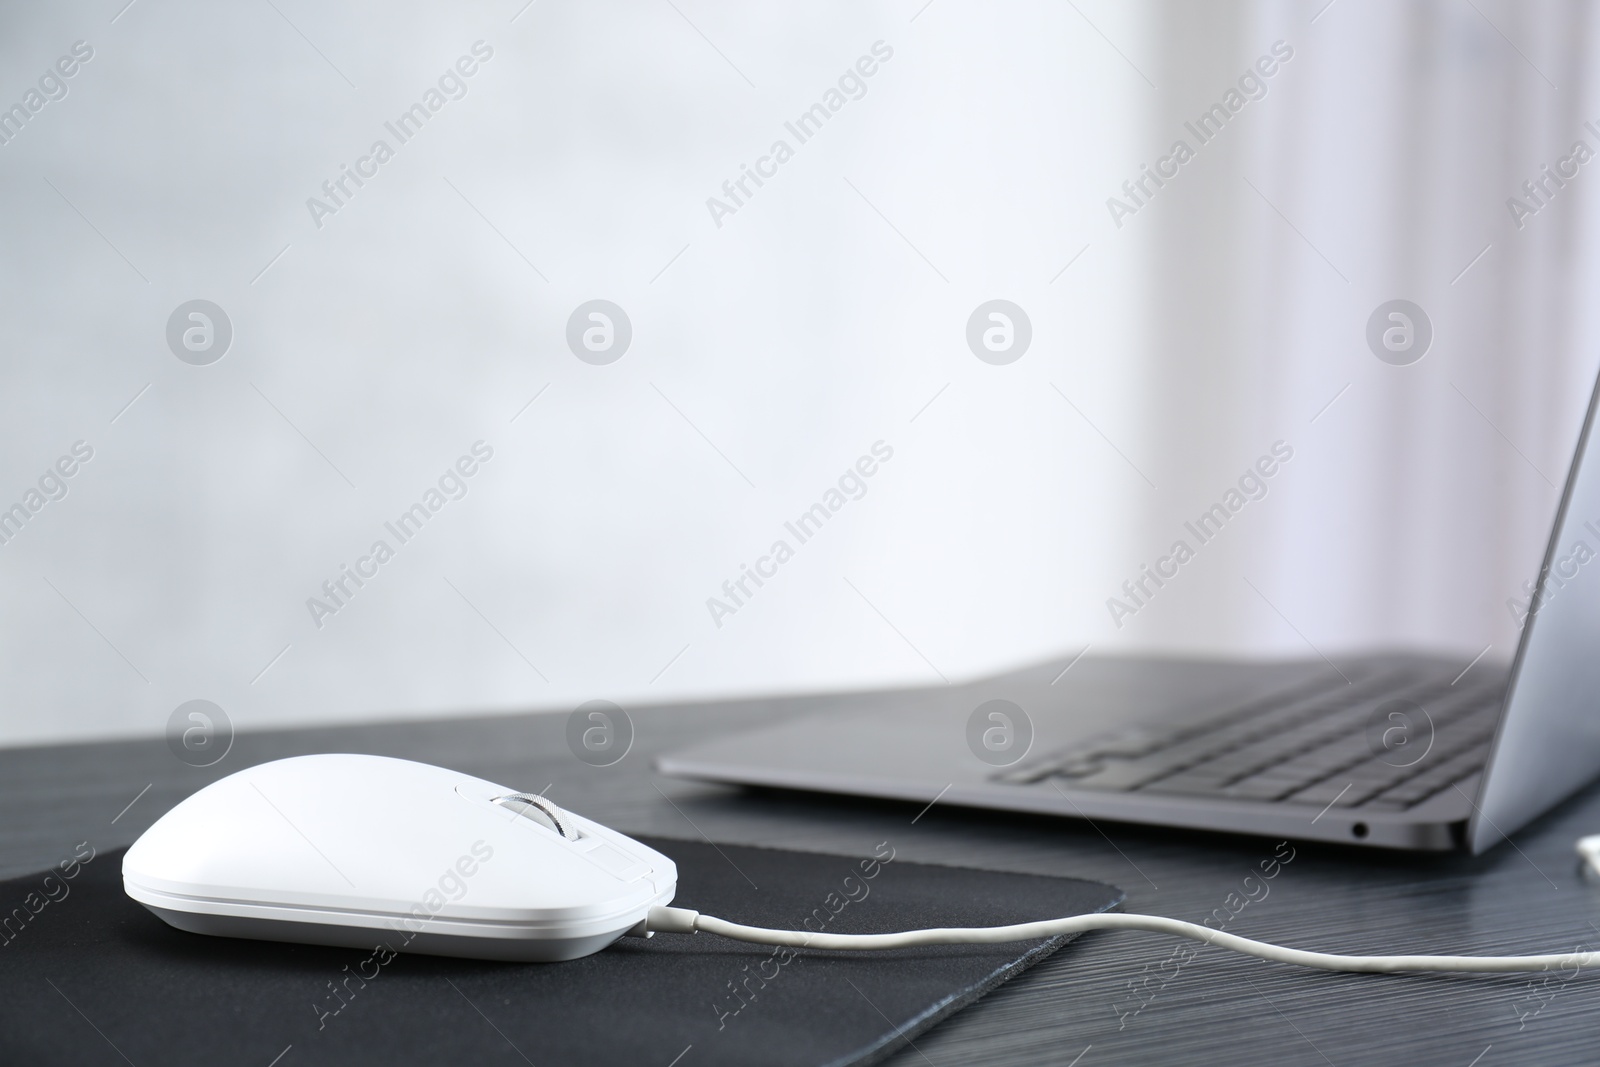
[(1157, 340)]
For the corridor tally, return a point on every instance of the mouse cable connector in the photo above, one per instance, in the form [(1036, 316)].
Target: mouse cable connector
[(685, 921)]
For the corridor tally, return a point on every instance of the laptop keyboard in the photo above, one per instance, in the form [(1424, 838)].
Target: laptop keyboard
[(1309, 745)]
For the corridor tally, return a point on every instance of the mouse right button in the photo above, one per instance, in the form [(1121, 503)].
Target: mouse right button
[(617, 862)]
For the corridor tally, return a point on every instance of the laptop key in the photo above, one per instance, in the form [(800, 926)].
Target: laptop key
[(1126, 774), (1307, 746), (1131, 743), (1269, 753), (1264, 787), (1268, 787), (1350, 762), (1204, 780), (1306, 767), (1351, 786), (1334, 791), (1420, 787)]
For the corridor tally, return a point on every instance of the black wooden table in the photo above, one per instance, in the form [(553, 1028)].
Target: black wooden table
[(1108, 998)]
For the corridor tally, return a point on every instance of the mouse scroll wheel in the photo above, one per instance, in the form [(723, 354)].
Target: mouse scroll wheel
[(535, 807)]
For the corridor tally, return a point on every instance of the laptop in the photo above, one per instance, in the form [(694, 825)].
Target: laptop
[(1389, 749)]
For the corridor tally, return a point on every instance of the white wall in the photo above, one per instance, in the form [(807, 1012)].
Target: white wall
[(772, 352)]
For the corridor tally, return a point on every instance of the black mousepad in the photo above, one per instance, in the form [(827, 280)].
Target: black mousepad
[(91, 977)]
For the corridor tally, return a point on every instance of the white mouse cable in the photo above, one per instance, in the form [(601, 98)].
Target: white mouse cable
[(685, 921)]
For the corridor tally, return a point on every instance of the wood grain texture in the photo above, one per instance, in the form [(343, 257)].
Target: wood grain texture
[(1125, 998)]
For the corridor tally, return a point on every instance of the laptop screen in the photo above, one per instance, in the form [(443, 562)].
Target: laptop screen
[(1548, 742)]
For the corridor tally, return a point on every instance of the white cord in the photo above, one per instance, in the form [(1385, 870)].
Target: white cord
[(685, 921)]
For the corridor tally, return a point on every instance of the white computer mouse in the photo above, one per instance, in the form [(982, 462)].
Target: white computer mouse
[(368, 851)]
